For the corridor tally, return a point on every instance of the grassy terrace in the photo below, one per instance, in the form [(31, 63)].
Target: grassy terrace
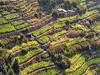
[(6, 28), (25, 56), (42, 30), (58, 34), (43, 39), (58, 25), (96, 28), (84, 68), (75, 41), (75, 57), (36, 66), (18, 47), (62, 39), (28, 7), (15, 23), (78, 26), (77, 65), (11, 16), (50, 72), (22, 26), (87, 14), (95, 7), (3, 21)]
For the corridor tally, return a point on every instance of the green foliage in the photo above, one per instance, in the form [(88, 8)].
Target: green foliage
[(87, 14), (5, 12), (42, 30), (14, 23), (28, 7), (76, 65), (21, 4), (88, 63), (3, 21), (11, 16), (50, 72), (43, 39), (45, 55), (25, 56), (94, 7), (15, 66), (75, 41), (58, 25), (6, 28), (22, 26), (36, 66)]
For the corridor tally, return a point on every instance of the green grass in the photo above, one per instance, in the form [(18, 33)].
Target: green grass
[(62, 39), (95, 7), (95, 38), (28, 7), (22, 26), (58, 25), (35, 66), (6, 28), (45, 55), (41, 30), (87, 14), (75, 41), (75, 57), (95, 51), (43, 39), (78, 26), (96, 28), (66, 18), (77, 65), (84, 68), (18, 47), (50, 72), (21, 3), (3, 21), (5, 13), (14, 23), (59, 33), (11, 16), (25, 56)]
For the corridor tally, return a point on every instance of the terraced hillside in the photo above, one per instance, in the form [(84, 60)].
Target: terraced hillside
[(37, 38)]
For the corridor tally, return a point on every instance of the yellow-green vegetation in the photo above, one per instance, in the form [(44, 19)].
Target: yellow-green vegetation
[(59, 33), (42, 30), (75, 57), (25, 56), (78, 26), (62, 39), (86, 65), (87, 14), (76, 65), (75, 41), (36, 66), (11, 16), (3, 21), (18, 47), (50, 72), (6, 28), (43, 39), (58, 25), (96, 28)]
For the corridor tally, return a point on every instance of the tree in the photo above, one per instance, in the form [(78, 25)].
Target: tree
[(15, 66), (10, 58), (11, 72), (55, 14)]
